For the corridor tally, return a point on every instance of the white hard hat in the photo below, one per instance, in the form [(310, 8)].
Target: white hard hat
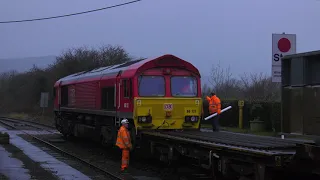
[(124, 121)]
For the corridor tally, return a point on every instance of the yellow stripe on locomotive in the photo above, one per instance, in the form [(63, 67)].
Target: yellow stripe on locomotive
[(167, 113)]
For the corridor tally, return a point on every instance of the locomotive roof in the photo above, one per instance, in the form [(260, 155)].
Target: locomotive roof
[(114, 69)]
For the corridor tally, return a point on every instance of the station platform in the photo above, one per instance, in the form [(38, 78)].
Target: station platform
[(15, 165), (22, 160)]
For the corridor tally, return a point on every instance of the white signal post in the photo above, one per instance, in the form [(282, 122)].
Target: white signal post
[(282, 45)]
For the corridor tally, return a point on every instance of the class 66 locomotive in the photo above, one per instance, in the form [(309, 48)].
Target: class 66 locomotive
[(162, 93)]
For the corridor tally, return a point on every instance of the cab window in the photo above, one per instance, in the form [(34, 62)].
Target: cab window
[(184, 86), (151, 86)]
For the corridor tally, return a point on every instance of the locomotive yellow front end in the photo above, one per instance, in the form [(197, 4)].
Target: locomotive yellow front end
[(168, 96), (167, 113)]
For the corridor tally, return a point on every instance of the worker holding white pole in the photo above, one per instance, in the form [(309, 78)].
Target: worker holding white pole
[(214, 107)]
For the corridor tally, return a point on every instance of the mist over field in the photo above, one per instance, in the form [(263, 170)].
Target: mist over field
[(25, 64)]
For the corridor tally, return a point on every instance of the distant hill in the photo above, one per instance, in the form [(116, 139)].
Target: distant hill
[(25, 64)]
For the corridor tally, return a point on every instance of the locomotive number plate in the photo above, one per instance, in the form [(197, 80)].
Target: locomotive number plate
[(190, 111), (168, 106)]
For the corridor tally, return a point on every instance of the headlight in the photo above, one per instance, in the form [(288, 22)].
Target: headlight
[(144, 119), (191, 119)]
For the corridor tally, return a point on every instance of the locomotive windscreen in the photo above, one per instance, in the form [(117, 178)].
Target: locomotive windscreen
[(184, 86), (151, 86)]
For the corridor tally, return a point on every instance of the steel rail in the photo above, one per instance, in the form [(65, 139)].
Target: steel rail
[(30, 123), (62, 151), (24, 120)]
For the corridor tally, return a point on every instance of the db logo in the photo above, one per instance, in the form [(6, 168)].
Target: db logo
[(168, 106)]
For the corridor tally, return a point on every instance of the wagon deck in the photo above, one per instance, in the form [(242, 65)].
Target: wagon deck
[(227, 139)]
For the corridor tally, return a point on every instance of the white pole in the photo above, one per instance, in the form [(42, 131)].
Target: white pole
[(213, 115)]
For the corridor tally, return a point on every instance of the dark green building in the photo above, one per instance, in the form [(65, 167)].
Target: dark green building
[(301, 93)]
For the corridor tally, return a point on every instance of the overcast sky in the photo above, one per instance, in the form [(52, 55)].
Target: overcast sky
[(235, 32)]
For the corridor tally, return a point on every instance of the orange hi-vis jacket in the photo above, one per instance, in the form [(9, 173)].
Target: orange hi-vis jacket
[(123, 139), (214, 104)]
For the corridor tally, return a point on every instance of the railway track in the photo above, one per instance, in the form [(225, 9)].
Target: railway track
[(31, 123), (185, 173), (219, 141), (13, 125)]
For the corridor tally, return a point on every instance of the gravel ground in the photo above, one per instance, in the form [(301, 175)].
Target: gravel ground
[(140, 166), (49, 121)]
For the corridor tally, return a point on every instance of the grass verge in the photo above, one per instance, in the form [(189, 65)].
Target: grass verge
[(46, 120)]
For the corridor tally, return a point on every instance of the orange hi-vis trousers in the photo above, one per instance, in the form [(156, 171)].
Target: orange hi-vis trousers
[(125, 159)]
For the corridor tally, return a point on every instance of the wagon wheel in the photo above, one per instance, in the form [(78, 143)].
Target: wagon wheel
[(214, 171)]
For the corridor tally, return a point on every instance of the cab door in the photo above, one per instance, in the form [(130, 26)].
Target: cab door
[(126, 98), (117, 99)]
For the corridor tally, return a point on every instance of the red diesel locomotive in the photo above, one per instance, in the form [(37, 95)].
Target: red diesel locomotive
[(162, 93)]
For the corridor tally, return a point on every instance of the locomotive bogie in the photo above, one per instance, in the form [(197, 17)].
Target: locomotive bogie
[(97, 128)]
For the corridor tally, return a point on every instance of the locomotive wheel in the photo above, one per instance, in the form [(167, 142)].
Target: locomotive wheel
[(67, 135), (67, 130), (57, 122), (110, 140)]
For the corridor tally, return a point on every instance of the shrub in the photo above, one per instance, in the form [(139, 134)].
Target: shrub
[(269, 112)]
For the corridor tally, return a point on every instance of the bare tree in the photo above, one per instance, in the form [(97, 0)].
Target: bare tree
[(25, 88), (259, 87), (251, 87), (222, 82), (205, 90)]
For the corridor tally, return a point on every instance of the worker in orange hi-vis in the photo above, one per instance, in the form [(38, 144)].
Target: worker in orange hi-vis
[(214, 107), (124, 143)]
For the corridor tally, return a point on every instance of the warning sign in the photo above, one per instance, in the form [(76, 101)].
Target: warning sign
[(282, 45)]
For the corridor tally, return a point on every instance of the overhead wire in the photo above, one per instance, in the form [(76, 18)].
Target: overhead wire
[(66, 15)]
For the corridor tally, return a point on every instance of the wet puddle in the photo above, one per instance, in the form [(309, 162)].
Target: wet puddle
[(46, 161), (10, 167)]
